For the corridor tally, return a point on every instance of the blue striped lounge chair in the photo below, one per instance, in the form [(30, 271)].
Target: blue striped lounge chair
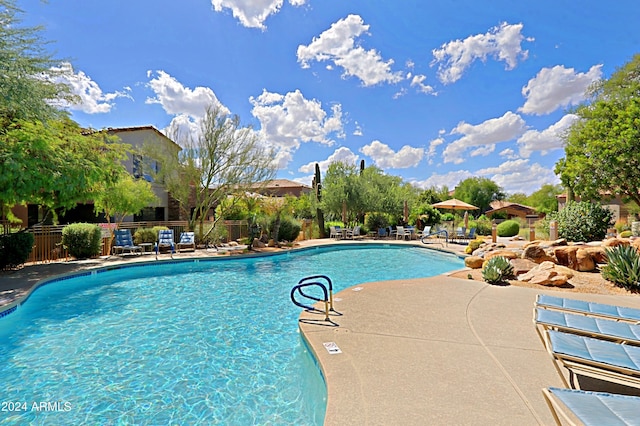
[(165, 239), (601, 328), (617, 313), (187, 241), (595, 358), (592, 408), (124, 242)]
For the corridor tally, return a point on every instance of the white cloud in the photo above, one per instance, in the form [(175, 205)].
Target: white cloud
[(288, 120), (502, 42), (483, 135), (177, 99), (509, 154), (418, 81), (450, 180), (358, 130), (433, 146), (546, 140), (386, 158), (338, 45), (557, 87), (519, 176), (340, 155), (252, 13), (91, 98)]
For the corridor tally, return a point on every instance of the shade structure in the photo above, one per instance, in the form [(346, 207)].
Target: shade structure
[(454, 204)]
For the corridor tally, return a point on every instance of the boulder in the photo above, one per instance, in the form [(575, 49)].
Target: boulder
[(521, 266), (598, 254), (258, 244), (473, 262), (584, 260), (509, 254), (614, 242), (536, 254), (566, 256), (546, 274)]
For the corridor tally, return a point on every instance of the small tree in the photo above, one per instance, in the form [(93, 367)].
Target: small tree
[(223, 158)]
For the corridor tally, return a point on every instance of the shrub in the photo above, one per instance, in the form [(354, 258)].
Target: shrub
[(626, 234), (508, 228), (497, 270), (473, 245), (289, 229), (582, 221), (82, 240), (145, 235), (623, 267), (375, 221), (15, 249), (482, 225)]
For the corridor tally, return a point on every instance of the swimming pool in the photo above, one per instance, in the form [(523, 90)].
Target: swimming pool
[(199, 342)]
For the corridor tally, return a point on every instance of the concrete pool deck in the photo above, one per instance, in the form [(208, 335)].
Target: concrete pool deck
[(437, 350)]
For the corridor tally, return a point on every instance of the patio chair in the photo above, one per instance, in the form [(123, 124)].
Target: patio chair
[(592, 408), (618, 313), (595, 358), (165, 239), (424, 233), (382, 233), (187, 241), (124, 242), (601, 328), (401, 232), (353, 233), (335, 232)]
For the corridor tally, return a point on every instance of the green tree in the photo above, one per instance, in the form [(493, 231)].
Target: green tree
[(544, 200), (602, 146), (55, 165), (24, 93), (479, 192), (224, 158)]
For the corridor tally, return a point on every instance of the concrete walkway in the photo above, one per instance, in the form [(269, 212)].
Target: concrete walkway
[(438, 350)]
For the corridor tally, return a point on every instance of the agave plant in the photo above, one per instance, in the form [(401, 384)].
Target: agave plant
[(497, 270), (623, 267)]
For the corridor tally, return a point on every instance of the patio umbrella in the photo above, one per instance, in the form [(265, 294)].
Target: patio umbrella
[(466, 219), (454, 204)]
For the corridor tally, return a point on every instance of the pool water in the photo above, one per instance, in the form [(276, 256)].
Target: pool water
[(208, 342)]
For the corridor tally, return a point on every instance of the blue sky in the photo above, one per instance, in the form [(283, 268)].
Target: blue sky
[(433, 91)]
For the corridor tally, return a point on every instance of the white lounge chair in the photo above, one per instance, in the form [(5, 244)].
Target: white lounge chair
[(187, 241)]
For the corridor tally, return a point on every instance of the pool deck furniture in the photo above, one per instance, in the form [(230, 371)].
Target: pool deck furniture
[(123, 242), (595, 358), (583, 307), (187, 241), (601, 328), (437, 350), (592, 408), (165, 239)]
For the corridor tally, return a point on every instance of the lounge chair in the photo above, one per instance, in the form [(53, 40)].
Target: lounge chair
[(424, 233), (592, 408), (165, 239), (187, 241), (601, 328), (124, 242), (596, 358), (382, 233), (618, 313)]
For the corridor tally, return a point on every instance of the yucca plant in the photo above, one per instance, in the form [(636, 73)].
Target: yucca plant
[(497, 270), (623, 267)]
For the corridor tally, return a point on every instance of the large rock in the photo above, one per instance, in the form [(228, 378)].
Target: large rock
[(258, 244), (566, 256), (473, 262), (547, 274), (614, 242), (536, 254), (521, 266), (509, 254), (598, 254), (584, 260)]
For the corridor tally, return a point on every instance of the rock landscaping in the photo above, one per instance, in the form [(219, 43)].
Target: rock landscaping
[(556, 263)]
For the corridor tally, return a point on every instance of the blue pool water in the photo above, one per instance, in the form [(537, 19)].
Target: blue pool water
[(208, 342)]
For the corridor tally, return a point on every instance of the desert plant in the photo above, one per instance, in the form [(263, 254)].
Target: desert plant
[(582, 221), (15, 249), (82, 240), (482, 225), (508, 228), (145, 235), (289, 229), (497, 270), (626, 234), (473, 245), (623, 267)]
